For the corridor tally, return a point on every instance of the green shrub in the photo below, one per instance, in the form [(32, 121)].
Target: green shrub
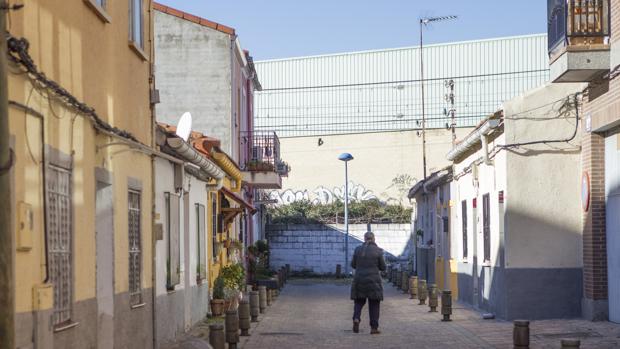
[(218, 288)]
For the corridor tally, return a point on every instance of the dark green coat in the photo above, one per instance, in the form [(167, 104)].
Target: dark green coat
[(368, 262)]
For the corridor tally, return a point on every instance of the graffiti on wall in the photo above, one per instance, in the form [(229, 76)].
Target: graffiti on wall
[(322, 195)]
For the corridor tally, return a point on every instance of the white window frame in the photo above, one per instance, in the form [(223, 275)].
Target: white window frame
[(136, 30), (134, 235)]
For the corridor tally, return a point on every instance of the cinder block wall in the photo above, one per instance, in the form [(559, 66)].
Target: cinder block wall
[(319, 248)]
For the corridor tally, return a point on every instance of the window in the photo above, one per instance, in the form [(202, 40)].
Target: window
[(135, 248), (173, 228), (201, 262), (135, 23), (214, 226), (59, 209), (464, 226), (486, 226), (100, 3)]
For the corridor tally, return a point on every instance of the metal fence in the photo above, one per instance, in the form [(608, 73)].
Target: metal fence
[(577, 22), (135, 249), (263, 150)]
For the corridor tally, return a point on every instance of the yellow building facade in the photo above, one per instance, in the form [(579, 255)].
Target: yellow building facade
[(81, 128)]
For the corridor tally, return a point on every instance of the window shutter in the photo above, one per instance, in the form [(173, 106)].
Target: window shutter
[(202, 248), (174, 230)]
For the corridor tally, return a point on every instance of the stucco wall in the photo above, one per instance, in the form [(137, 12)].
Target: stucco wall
[(193, 74), (317, 174), (319, 248)]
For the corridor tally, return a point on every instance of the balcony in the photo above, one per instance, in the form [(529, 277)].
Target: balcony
[(578, 38), (261, 163)]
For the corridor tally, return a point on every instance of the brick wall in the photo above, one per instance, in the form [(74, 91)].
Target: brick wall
[(319, 248)]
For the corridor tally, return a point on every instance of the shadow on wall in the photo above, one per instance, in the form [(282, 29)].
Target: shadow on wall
[(319, 248), (538, 273)]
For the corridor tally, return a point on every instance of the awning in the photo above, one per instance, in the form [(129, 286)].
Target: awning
[(238, 199)]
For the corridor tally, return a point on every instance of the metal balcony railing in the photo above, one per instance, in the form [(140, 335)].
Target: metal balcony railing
[(262, 151), (577, 22)]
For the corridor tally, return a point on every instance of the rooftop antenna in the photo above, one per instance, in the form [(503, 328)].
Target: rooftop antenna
[(184, 127)]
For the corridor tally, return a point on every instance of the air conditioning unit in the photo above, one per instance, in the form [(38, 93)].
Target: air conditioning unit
[(282, 168)]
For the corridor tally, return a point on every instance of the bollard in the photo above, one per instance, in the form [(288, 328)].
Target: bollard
[(268, 297), (393, 281), (262, 298), (446, 305), (422, 292), (338, 271), (254, 307), (521, 334), (389, 273), (433, 300), (232, 328), (570, 343), (405, 283), (244, 317), (216, 336), (413, 287), (399, 279)]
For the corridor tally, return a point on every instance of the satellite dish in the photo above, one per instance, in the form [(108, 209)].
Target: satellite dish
[(184, 127)]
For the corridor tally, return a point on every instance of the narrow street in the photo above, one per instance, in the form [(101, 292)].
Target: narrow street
[(317, 314)]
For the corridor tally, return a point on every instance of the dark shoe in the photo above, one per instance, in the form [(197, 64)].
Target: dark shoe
[(375, 331), (356, 326)]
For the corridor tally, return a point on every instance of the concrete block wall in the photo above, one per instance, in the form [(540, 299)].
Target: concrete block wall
[(319, 248)]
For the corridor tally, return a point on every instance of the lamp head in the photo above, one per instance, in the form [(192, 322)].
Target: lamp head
[(345, 157)]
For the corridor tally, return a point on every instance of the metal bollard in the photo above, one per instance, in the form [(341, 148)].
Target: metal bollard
[(399, 279), (422, 292), (413, 287), (433, 298), (338, 271), (570, 343), (216, 336), (262, 298), (389, 273), (446, 305), (232, 328), (521, 334), (254, 306), (268, 297), (288, 270), (244, 317), (405, 283)]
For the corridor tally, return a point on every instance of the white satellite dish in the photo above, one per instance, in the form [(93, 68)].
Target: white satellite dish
[(184, 127)]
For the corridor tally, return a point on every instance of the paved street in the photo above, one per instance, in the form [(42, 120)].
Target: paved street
[(317, 314)]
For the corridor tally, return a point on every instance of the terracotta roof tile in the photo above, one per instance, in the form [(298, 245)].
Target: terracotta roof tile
[(194, 19)]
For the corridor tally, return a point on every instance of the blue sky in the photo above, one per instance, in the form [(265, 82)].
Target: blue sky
[(289, 28)]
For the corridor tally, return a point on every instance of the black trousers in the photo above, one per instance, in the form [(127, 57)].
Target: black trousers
[(373, 311)]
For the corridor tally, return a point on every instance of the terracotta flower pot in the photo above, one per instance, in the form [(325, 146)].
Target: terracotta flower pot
[(217, 307)]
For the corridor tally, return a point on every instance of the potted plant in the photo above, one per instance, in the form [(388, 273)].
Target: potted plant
[(234, 280), (217, 303)]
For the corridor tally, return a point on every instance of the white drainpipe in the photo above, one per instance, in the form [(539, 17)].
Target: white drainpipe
[(193, 156), (472, 139)]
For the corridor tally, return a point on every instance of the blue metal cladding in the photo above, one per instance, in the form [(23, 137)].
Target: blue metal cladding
[(377, 91)]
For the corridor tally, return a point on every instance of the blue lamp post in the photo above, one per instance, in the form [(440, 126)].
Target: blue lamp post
[(346, 157)]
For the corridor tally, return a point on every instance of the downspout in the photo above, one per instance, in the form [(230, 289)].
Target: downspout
[(153, 184), (485, 150)]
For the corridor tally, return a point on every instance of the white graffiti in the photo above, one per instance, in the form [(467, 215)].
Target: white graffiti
[(322, 195)]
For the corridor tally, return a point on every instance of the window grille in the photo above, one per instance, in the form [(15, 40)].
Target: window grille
[(486, 225), (135, 249), (464, 217), (214, 224), (174, 229), (60, 240), (200, 233)]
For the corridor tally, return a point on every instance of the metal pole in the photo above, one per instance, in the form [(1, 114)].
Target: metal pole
[(346, 218), (422, 89), (7, 301)]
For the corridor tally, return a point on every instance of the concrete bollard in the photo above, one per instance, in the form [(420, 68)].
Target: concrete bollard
[(446, 305), (405, 283), (244, 317), (422, 292), (433, 298), (216, 336), (521, 334), (232, 328), (254, 306), (570, 343), (268, 297), (262, 298), (413, 287)]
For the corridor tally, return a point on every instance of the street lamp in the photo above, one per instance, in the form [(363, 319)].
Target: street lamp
[(423, 22), (346, 157)]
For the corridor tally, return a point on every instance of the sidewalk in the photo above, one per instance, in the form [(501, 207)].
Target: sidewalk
[(317, 314)]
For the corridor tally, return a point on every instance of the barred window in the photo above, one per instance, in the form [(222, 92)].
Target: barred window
[(173, 219), (214, 226), (135, 249), (59, 209)]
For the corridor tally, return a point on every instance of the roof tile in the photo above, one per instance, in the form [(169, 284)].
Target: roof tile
[(195, 19)]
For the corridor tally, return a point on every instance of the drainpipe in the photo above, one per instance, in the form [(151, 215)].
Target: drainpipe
[(485, 150), (7, 289)]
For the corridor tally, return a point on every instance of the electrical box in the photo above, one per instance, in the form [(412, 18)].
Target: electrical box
[(159, 231), (25, 227)]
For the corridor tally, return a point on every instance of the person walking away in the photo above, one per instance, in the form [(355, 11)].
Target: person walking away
[(367, 284)]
